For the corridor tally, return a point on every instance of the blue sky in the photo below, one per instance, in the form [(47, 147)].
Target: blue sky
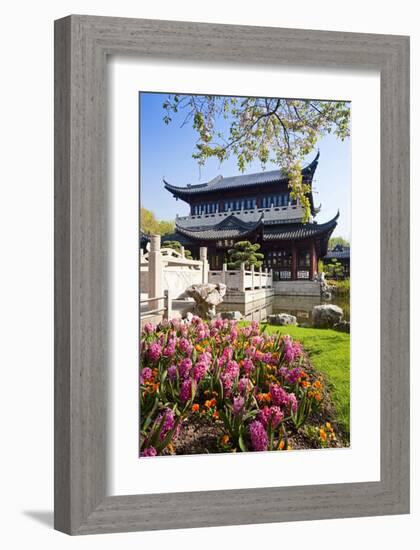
[(166, 151)]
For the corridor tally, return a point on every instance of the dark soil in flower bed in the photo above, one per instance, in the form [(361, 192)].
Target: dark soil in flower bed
[(199, 435)]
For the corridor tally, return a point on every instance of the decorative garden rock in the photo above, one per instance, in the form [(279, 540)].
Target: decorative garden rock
[(342, 326), (326, 315), (282, 319), (207, 296), (231, 315)]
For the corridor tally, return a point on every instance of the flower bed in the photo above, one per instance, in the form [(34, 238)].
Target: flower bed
[(232, 388)]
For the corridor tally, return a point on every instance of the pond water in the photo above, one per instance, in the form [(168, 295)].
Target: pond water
[(301, 306)]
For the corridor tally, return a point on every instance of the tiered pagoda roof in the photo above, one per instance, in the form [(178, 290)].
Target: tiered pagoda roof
[(229, 227), (243, 181), (277, 223)]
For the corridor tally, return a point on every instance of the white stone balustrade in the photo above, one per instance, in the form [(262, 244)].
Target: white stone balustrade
[(242, 279)]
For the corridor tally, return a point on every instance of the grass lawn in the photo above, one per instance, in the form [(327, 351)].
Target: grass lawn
[(329, 352)]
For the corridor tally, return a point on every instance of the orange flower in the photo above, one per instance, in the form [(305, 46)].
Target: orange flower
[(195, 407), (215, 415), (281, 445), (317, 384), (225, 439), (322, 434), (171, 448), (264, 398), (318, 396)]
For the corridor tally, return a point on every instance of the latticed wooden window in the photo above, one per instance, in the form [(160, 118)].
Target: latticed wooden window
[(304, 258)]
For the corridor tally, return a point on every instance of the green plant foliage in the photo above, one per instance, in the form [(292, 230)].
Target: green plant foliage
[(334, 241), (245, 252), (152, 226), (334, 269), (282, 131), (176, 245)]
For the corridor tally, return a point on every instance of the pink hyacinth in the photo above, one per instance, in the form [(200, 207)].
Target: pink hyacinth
[(244, 384), (238, 405), (172, 372), (185, 346), (248, 366), (259, 437), (154, 352), (227, 383), (199, 371), (168, 422), (149, 328), (268, 359), (146, 374), (278, 395), (233, 334), (255, 327), (149, 451), (292, 350), (218, 324), (185, 392), (232, 369), (184, 368), (274, 414), (205, 357), (169, 351), (227, 353), (293, 402), (257, 340), (291, 375)]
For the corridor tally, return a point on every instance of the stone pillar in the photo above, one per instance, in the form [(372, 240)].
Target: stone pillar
[(182, 252), (155, 271), (294, 263), (313, 262), (242, 277), (224, 269), (205, 266), (252, 277), (168, 305), (260, 277)]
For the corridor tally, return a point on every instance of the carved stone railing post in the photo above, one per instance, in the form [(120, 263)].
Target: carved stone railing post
[(260, 278), (155, 271), (252, 277), (205, 266), (168, 305), (224, 277), (242, 276)]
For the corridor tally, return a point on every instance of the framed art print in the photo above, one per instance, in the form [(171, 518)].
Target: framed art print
[(231, 275)]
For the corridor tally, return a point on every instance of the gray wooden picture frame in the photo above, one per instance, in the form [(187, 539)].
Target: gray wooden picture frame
[(82, 44)]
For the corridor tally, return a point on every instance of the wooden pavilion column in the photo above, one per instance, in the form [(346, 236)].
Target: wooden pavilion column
[(294, 262), (312, 265)]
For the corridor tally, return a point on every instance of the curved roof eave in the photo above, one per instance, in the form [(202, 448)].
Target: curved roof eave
[(234, 182)]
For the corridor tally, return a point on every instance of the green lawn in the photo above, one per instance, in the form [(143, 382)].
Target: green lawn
[(329, 352)]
